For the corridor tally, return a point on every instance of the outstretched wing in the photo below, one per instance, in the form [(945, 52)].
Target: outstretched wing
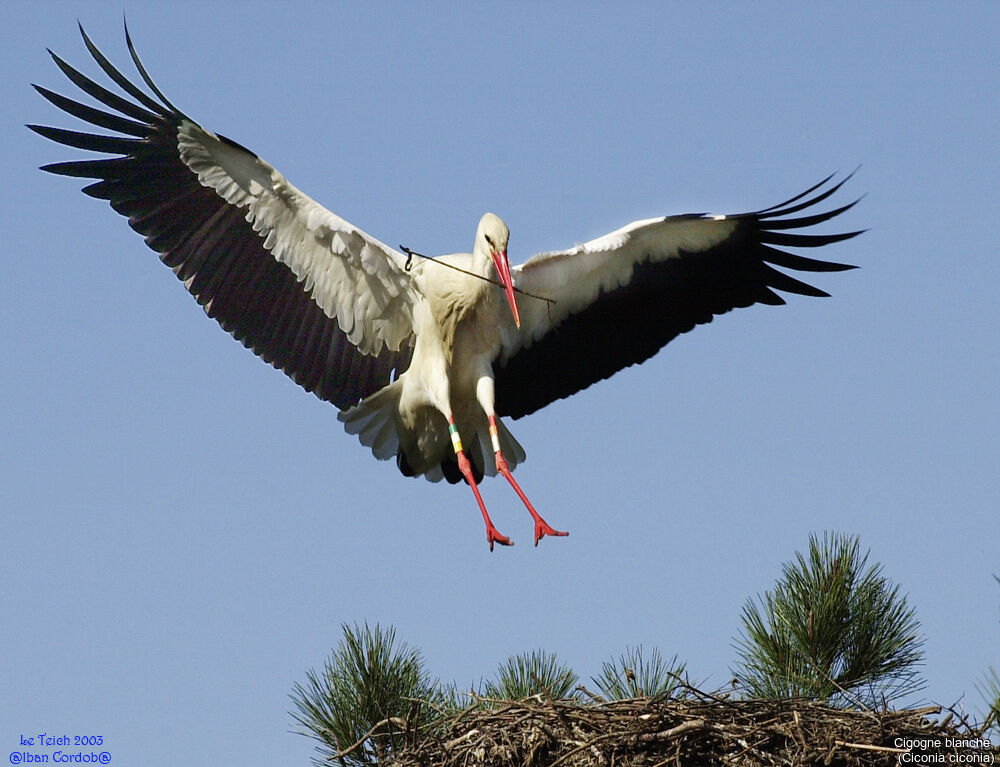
[(620, 298), (304, 289)]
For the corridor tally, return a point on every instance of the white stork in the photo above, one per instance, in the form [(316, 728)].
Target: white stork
[(422, 358)]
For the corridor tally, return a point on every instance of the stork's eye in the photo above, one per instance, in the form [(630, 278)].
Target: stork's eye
[(488, 240)]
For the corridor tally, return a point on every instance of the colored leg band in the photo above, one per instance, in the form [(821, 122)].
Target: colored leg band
[(494, 436), (456, 440)]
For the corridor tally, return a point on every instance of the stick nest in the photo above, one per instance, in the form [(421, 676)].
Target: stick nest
[(708, 730)]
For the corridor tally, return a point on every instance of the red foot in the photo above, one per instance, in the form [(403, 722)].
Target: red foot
[(492, 534), (542, 528)]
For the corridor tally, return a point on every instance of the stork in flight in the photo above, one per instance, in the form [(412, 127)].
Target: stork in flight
[(422, 358)]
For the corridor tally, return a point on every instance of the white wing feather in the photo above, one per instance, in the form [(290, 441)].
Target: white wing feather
[(353, 277), (574, 278)]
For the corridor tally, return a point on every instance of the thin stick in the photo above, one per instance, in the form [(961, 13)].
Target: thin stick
[(673, 732), (866, 747), (593, 696), (412, 253), (391, 720)]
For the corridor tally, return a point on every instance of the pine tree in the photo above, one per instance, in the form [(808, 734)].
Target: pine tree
[(536, 673), (832, 629), (989, 689), (369, 686), (632, 675)]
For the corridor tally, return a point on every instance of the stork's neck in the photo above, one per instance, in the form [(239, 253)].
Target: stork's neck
[(482, 262)]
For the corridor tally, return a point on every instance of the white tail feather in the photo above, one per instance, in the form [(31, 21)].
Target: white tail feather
[(373, 420)]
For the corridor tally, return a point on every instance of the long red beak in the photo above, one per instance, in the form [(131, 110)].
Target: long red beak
[(503, 270)]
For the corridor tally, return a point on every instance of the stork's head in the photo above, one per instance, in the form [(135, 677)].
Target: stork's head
[(491, 240)]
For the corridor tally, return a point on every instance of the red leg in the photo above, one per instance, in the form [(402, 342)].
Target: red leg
[(492, 534), (542, 528)]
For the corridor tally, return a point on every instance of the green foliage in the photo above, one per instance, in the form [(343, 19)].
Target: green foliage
[(368, 683), (633, 676), (831, 629), (536, 673), (989, 688), (451, 699)]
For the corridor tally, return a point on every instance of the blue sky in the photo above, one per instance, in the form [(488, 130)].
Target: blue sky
[(185, 529)]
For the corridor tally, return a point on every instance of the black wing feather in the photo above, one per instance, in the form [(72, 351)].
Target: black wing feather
[(664, 299), (102, 94), (207, 242)]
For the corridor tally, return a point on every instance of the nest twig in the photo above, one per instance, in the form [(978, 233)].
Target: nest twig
[(694, 730)]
